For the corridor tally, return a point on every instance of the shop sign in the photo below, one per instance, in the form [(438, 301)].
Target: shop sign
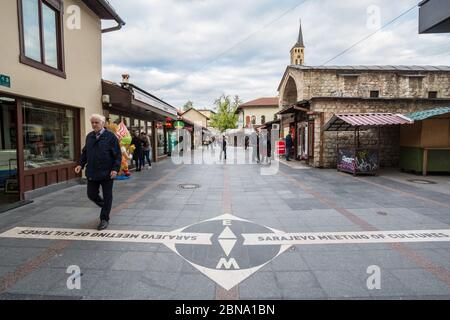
[(178, 125), (5, 81)]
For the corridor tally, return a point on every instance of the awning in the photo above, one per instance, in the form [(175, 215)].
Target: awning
[(350, 121), (137, 102), (425, 114), (269, 124), (292, 109)]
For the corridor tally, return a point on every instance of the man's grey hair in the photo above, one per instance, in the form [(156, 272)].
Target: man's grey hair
[(98, 117)]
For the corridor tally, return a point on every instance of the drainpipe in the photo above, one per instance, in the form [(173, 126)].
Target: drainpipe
[(120, 22)]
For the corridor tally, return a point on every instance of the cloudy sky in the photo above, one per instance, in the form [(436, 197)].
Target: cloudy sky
[(197, 50)]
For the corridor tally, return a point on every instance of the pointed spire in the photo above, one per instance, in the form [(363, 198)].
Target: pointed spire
[(300, 36)]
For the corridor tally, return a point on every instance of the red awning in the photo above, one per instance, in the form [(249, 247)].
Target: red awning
[(349, 121)]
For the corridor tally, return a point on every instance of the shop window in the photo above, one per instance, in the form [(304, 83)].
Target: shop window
[(149, 129), (49, 135), (126, 122), (253, 120), (263, 119), (135, 125), (41, 35), (432, 95), (142, 126), (161, 139)]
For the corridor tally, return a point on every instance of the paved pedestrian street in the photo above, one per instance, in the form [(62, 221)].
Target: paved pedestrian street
[(230, 231)]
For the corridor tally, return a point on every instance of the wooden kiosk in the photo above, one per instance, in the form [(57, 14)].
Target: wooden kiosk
[(425, 146)]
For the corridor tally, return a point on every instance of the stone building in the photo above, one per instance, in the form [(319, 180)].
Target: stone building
[(309, 96)]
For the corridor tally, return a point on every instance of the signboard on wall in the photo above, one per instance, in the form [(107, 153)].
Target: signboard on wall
[(5, 81), (143, 97)]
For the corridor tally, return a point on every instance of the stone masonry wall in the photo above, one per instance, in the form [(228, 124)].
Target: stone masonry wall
[(390, 84)]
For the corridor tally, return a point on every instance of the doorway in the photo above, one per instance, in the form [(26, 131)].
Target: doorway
[(9, 179), (302, 138)]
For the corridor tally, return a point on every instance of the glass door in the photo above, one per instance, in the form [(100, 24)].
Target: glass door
[(9, 180)]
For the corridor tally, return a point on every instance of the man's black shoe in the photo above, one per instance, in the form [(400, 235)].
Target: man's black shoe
[(103, 225)]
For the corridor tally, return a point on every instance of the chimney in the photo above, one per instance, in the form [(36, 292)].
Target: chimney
[(125, 78)]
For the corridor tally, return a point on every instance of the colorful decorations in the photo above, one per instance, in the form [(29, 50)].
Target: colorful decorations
[(122, 133)]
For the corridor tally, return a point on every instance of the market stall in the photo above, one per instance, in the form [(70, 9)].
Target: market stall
[(425, 146), (357, 159)]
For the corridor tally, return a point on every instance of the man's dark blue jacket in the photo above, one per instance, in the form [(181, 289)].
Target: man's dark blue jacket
[(289, 141), (101, 155)]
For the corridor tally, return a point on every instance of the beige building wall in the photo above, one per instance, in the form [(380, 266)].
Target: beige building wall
[(209, 114), (83, 64), (268, 112), (195, 117)]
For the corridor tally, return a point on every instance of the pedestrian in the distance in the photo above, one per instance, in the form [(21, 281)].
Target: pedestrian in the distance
[(263, 147), (254, 145), (269, 146), (224, 148), (137, 154), (289, 144), (146, 148), (102, 157)]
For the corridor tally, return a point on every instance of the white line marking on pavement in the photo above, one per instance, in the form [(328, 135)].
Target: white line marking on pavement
[(110, 235), (346, 237)]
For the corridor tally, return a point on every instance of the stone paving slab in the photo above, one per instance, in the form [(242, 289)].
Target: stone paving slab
[(153, 271)]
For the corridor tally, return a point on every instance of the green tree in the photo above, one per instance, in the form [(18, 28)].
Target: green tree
[(188, 105), (226, 117)]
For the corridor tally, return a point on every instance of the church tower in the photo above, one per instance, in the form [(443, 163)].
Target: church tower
[(298, 51)]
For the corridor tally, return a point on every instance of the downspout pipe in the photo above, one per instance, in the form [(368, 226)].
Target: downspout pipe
[(118, 27), (120, 22)]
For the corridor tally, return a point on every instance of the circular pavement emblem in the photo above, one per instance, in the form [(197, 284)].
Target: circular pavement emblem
[(227, 244), (227, 260)]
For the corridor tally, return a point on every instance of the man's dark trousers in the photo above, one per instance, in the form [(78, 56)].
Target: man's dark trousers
[(93, 189)]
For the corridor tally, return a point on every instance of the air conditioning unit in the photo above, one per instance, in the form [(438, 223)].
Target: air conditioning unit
[(106, 98), (275, 126)]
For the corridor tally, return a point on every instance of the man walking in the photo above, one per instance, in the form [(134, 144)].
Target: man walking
[(146, 147), (289, 144), (102, 156), (137, 154), (224, 148)]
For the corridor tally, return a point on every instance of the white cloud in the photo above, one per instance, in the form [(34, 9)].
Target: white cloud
[(196, 50)]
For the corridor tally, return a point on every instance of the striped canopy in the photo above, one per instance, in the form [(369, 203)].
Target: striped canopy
[(350, 121)]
